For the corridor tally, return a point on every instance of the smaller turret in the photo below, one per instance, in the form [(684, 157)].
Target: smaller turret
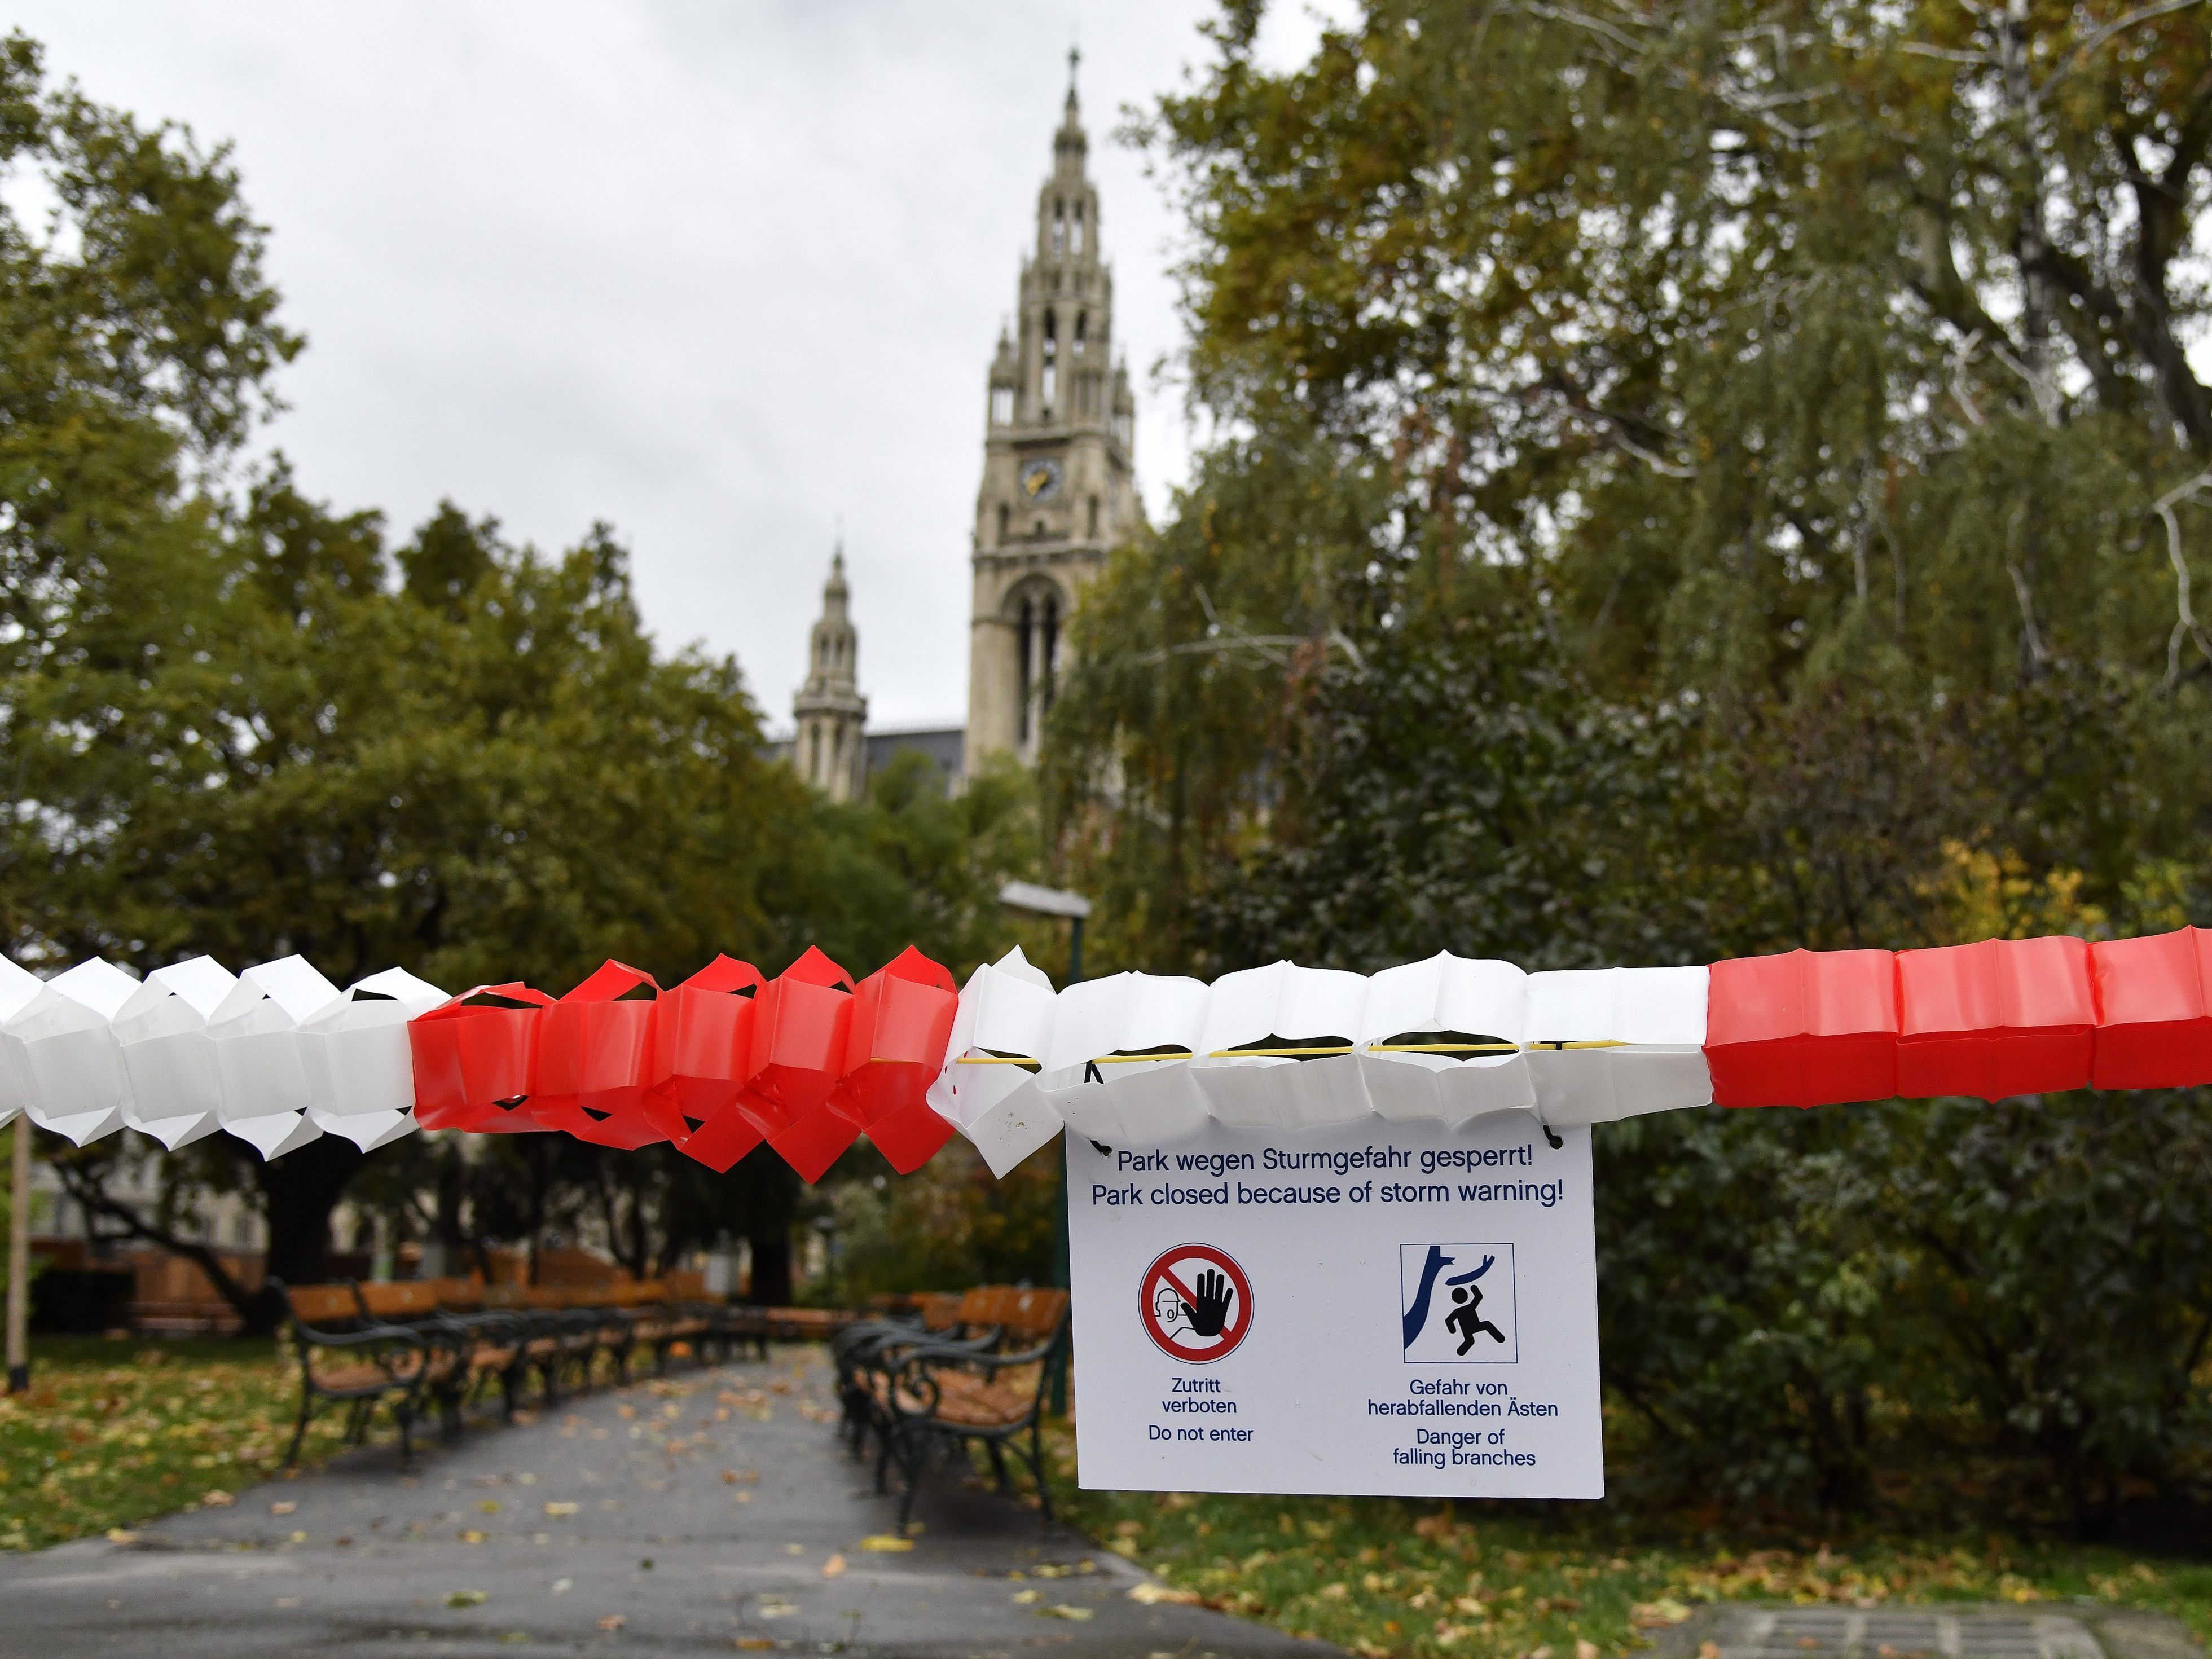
[(831, 712)]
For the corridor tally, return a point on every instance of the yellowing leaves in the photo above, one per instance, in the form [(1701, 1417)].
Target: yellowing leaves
[(1151, 1593)]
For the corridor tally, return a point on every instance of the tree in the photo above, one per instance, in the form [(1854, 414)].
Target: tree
[(1748, 327), (1696, 482)]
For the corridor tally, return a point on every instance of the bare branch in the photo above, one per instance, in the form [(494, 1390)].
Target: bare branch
[(1950, 54), (2185, 624), (1962, 356), (86, 1186), (2082, 50)]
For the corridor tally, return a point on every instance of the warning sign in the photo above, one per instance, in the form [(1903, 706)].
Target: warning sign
[(1429, 1319), (1196, 1304)]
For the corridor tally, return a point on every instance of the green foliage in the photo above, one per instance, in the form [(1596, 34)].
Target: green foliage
[(950, 1225), (1167, 745), (1749, 326), (910, 865)]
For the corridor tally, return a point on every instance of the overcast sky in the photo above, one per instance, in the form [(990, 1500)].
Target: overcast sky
[(718, 274)]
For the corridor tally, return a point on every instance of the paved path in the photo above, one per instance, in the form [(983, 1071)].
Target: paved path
[(708, 1512)]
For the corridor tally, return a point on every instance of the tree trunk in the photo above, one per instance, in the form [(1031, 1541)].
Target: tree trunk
[(298, 1192), (771, 1277)]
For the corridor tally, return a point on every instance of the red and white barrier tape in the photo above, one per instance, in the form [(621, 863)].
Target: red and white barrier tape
[(813, 1059)]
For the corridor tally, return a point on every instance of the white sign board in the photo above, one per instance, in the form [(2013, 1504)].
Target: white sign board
[(1379, 1308)]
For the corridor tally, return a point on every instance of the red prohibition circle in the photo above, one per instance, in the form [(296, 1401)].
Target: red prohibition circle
[(1168, 1272)]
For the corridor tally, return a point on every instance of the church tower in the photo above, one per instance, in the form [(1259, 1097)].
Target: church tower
[(1060, 488), (828, 749)]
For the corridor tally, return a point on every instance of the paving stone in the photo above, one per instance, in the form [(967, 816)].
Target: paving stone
[(1950, 1631)]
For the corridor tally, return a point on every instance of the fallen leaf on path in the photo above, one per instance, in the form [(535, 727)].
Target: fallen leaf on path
[(121, 1536), (1151, 1593), (561, 1586), (562, 1509), (218, 1499), (754, 1644), (1027, 1596), (884, 1543), (1061, 1610), (613, 1621), (285, 1508), (833, 1567), (299, 1538), (466, 1599), (489, 1506), (1650, 1615), (472, 1536)]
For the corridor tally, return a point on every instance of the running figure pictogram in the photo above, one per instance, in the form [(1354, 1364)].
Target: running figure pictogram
[(1466, 1318)]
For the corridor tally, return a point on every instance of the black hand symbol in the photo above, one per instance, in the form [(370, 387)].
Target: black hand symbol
[(1212, 1311)]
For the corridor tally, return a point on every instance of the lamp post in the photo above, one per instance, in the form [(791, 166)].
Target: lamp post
[(1055, 901), (19, 1261)]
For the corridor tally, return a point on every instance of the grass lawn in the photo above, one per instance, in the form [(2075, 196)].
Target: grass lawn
[(114, 1433), (1381, 1576)]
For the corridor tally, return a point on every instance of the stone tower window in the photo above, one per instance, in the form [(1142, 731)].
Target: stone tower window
[(1002, 405), (1093, 532), (1059, 228), (1075, 231), (1036, 652), (1082, 318), (1050, 383), (1004, 513), (1022, 665)]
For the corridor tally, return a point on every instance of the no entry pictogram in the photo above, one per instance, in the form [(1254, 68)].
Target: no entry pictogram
[(1196, 1304)]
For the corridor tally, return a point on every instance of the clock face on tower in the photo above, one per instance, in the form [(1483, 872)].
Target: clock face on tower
[(1040, 480)]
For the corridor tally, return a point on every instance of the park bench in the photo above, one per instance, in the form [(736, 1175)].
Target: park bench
[(760, 1326), (351, 1358), (865, 1351), (947, 1398), (562, 1330), (660, 1318), (443, 1341), (473, 1345)]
